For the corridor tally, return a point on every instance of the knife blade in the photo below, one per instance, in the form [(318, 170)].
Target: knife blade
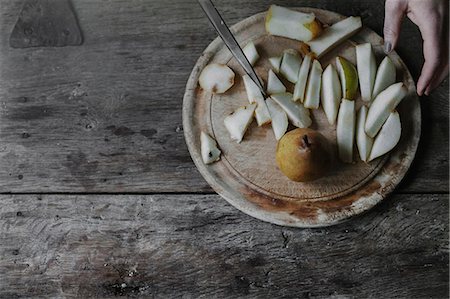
[(230, 41)]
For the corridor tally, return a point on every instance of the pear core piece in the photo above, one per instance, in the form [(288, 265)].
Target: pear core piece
[(216, 78), (292, 24), (209, 150), (238, 122), (275, 62), (254, 96), (251, 53), (274, 84), (290, 65), (303, 155)]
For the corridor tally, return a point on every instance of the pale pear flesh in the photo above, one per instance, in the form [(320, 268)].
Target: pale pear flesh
[(274, 84), (292, 24), (237, 123), (210, 151), (345, 130), (331, 93), (279, 118), (275, 62), (296, 112), (367, 70), (251, 53), (382, 106), (312, 97), (254, 95), (388, 137), (385, 77), (334, 34), (300, 86), (216, 78), (363, 142), (290, 65)]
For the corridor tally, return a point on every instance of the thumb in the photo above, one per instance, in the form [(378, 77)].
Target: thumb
[(393, 16)]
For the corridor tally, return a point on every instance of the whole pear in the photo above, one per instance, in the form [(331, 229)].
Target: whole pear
[(303, 155)]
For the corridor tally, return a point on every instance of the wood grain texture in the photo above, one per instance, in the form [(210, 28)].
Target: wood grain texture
[(106, 116), (199, 246)]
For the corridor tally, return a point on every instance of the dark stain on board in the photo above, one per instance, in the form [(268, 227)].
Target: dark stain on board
[(82, 169), (120, 131)]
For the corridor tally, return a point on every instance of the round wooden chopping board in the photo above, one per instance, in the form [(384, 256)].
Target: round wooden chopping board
[(247, 175)]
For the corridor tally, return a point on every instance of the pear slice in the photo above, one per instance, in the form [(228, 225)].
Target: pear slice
[(276, 63), (251, 53), (300, 86), (297, 114), (331, 93), (348, 76), (254, 96), (345, 130), (334, 34), (388, 137), (382, 106), (290, 65), (216, 78), (279, 118), (363, 141), (237, 122), (292, 24), (274, 85), (385, 76), (210, 152), (367, 70), (312, 97)]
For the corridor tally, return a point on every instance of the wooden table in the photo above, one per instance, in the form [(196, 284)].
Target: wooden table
[(100, 198)]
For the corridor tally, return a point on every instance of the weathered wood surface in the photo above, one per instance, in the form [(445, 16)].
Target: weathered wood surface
[(199, 246), (106, 116)]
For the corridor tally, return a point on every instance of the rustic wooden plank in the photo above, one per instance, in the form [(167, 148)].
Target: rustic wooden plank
[(199, 246), (106, 116)]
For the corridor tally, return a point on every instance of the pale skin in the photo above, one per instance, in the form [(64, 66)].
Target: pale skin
[(431, 16)]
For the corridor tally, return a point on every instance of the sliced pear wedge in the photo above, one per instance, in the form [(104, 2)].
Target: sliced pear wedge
[(210, 151), (274, 84), (216, 78), (254, 96), (290, 65), (345, 130), (385, 76), (292, 24), (300, 86), (312, 97), (367, 70), (275, 62), (331, 93), (237, 123), (279, 118), (348, 76), (251, 53), (382, 106), (334, 34), (388, 137), (363, 142), (296, 112)]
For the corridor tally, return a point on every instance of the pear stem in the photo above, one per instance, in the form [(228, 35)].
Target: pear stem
[(306, 141)]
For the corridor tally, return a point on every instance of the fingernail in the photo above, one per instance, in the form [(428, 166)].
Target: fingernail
[(387, 47)]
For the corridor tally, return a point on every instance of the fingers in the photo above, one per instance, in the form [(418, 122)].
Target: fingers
[(432, 51), (394, 13), (437, 79)]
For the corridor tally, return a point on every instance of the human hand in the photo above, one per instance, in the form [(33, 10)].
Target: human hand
[(431, 16)]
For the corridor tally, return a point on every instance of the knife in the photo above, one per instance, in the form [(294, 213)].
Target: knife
[(229, 40)]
